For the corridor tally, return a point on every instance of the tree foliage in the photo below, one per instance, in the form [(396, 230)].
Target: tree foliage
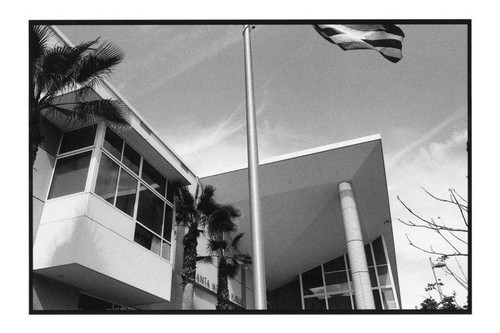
[(60, 69)]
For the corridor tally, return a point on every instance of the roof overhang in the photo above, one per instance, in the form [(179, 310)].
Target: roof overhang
[(139, 135), (300, 209)]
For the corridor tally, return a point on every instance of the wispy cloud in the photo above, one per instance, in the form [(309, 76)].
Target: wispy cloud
[(395, 158), (191, 50)]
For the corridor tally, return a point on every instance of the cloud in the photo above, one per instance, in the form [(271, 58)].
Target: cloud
[(392, 160), (436, 166), (191, 50)]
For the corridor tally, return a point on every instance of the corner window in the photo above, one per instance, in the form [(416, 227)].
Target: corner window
[(130, 183), (72, 162)]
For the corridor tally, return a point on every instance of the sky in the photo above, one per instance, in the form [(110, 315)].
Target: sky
[(187, 81)]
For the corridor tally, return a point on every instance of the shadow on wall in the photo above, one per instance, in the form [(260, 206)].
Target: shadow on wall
[(59, 287)]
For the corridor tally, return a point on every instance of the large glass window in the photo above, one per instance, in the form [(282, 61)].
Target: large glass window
[(107, 179), (129, 182), (125, 197), (329, 286), (72, 163), (78, 139), (70, 175), (154, 179)]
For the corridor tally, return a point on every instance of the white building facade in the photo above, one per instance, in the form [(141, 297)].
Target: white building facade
[(104, 233)]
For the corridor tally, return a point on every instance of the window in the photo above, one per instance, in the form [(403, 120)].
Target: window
[(133, 185), (329, 286), (72, 162), (78, 139), (90, 303), (70, 175)]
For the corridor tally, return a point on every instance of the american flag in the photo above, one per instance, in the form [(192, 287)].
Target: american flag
[(387, 39)]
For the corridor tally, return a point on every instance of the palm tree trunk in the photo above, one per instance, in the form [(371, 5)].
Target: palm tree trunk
[(189, 269), (187, 296), (36, 137), (222, 289)]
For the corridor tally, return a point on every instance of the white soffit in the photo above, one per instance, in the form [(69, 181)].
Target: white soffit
[(300, 210)]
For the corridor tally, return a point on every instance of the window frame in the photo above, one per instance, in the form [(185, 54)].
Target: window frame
[(140, 182), (78, 151), (378, 288)]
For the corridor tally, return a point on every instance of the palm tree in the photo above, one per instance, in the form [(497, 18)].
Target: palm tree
[(195, 213), (61, 69), (229, 262)]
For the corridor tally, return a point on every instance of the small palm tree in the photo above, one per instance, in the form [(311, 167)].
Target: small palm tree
[(230, 260), (61, 69), (195, 213)]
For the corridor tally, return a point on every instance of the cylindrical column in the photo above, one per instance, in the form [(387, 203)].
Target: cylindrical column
[(355, 248)]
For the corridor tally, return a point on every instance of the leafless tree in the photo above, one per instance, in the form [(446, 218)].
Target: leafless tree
[(455, 239)]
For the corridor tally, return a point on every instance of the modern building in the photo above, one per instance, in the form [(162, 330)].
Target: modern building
[(104, 235)]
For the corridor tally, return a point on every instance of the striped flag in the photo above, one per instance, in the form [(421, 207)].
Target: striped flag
[(387, 39)]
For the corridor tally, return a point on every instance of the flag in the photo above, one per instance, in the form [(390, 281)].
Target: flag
[(387, 39)]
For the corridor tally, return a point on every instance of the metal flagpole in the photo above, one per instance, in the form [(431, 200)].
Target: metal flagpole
[(259, 275)]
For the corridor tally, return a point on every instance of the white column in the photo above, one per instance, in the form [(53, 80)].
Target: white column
[(356, 249)]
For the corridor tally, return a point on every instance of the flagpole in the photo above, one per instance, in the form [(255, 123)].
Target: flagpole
[(259, 276)]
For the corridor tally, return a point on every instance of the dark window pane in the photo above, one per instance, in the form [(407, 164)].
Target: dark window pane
[(339, 302), (376, 297), (150, 211), (314, 303), (383, 275), (90, 303), (113, 144), (70, 175), (107, 177), (335, 265), (152, 177), (167, 229), (373, 278), (131, 158), (170, 192), (165, 250), (369, 257), (336, 282), (80, 138), (378, 248), (388, 299), (347, 261), (312, 282), (127, 188), (146, 239)]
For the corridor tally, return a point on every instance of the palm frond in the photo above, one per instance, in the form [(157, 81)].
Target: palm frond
[(231, 210), (243, 259), (39, 36), (221, 222), (235, 241), (111, 111), (215, 245), (205, 259), (185, 208), (231, 268), (206, 202), (98, 64)]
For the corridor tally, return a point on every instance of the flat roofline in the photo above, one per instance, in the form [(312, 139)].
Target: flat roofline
[(300, 153), (65, 39)]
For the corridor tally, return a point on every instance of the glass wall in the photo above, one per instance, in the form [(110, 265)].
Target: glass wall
[(329, 286), (130, 183), (124, 179)]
